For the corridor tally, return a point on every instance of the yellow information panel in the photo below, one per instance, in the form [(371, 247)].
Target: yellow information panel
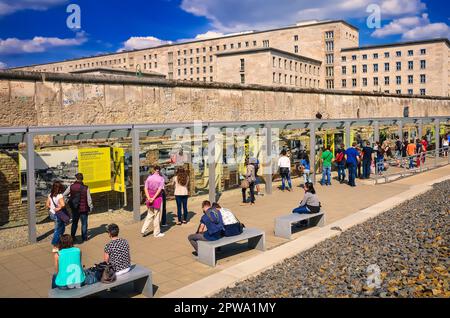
[(119, 170), (95, 165)]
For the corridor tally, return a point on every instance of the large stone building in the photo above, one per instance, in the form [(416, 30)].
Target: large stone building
[(316, 54)]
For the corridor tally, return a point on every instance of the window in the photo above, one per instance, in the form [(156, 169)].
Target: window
[(290, 80), (179, 72), (364, 81), (398, 53), (296, 66), (210, 48), (242, 78), (156, 64), (344, 59), (399, 80), (232, 46), (296, 81), (353, 57), (295, 38), (398, 91), (217, 48), (210, 58), (375, 67), (354, 69), (204, 59), (410, 91), (285, 64), (364, 57), (296, 49), (204, 69), (191, 60), (247, 44), (330, 58), (274, 77), (330, 46), (179, 62), (198, 60), (386, 55), (255, 43), (242, 65), (386, 91), (330, 84), (266, 43), (375, 81), (423, 64), (386, 80), (375, 56), (279, 62), (285, 79), (344, 70), (422, 91), (198, 70), (423, 79), (330, 71), (211, 69), (410, 79), (423, 52), (410, 65), (344, 83), (329, 35), (239, 45), (354, 82), (198, 50), (364, 68), (290, 65), (279, 78), (386, 67), (399, 66), (410, 53), (191, 51), (274, 61)]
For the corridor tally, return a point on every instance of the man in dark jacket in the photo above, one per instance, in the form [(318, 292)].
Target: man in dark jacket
[(80, 202)]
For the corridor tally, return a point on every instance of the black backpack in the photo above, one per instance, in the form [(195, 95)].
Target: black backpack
[(75, 198)]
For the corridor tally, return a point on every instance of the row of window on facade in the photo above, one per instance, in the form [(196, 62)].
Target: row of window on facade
[(266, 43), (386, 55), (197, 60), (295, 65), (387, 80), (100, 63), (191, 70), (204, 79), (398, 67), (295, 80)]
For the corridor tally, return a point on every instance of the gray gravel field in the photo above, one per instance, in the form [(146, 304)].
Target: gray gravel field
[(402, 253)]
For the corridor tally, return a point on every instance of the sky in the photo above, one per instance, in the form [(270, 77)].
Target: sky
[(36, 31)]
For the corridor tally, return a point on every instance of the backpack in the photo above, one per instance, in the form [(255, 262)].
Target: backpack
[(340, 157), (75, 198), (399, 145)]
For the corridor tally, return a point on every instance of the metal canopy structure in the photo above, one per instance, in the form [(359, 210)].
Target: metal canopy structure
[(18, 135)]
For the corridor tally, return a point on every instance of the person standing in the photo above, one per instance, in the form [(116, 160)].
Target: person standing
[(250, 177), (255, 162), (80, 202), (424, 148), (445, 145), (284, 165), (411, 152), (419, 152), (327, 158), (367, 160), (306, 168), (55, 203), (352, 157), (153, 188), (164, 199), (398, 151), (181, 181), (404, 153), (340, 161), (380, 158)]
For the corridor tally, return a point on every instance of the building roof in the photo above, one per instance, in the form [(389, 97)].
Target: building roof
[(117, 71), (369, 47), (199, 41), (269, 49)]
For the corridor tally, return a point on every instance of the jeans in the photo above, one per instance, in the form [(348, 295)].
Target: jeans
[(76, 216), (252, 193), (193, 238), (301, 210), (366, 169), (326, 173), (307, 176), (63, 287), (351, 174), (60, 228), (341, 172), (380, 165), (411, 162), (182, 202), (286, 177), (163, 211)]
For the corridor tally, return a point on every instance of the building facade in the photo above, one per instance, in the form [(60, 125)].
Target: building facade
[(327, 47)]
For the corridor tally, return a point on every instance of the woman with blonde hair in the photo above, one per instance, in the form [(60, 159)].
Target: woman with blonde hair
[(181, 182)]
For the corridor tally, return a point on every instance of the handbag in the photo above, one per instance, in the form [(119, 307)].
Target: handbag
[(108, 275), (91, 276), (245, 184), (63, 215)]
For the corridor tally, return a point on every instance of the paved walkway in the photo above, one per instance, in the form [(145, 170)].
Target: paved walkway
[(26, 271)]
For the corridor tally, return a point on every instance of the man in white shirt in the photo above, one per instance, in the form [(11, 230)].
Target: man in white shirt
[(284, 165)]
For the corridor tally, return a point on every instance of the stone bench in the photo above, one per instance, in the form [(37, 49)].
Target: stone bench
[(283, 224), (139, 276), (207, 249)]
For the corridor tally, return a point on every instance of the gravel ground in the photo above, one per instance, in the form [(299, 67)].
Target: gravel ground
[(16, 237), (409, 244)]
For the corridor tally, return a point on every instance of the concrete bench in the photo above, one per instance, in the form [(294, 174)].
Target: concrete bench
[(207, 249), (139, 276), (283, 224)]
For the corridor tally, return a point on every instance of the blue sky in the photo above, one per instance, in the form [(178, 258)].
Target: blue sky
[(35, 31)]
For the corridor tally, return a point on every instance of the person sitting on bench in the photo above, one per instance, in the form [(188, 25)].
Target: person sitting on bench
[(230, 222), (211, 227), (310, 202), (69, 271), (117, 251)]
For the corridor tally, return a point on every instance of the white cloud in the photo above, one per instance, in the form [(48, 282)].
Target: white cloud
[(38, 44), (237, 15), (12, 6), (142, 42), (3, 66), (413, 28), (208, 35)]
